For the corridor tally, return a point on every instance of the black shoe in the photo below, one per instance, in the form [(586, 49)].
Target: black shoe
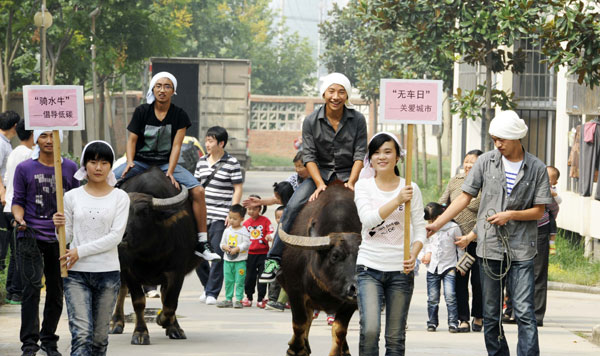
[(452, 329), (431, 328), (28, 353), (540, 324), (464, 329), (204, 249), (272, 305), (269, 272), (476, 327), (51, 351)]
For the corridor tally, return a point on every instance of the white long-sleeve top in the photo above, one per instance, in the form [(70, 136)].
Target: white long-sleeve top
[(18, 155), (95, 226), (444, 253), (382, 246), (236, 238)]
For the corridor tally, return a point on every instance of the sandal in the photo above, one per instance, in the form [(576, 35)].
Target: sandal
[(464, 327)]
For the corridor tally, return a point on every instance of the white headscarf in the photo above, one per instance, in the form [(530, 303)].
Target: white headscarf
[(36, 134), (81, 173), (338, 78), (150, 94), (508, 125), (368, 171)]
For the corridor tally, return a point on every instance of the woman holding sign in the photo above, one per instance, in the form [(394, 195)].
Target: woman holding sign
[(382, 274), (95, 219)]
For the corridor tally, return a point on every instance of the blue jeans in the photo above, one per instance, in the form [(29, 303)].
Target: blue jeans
[(292, 209), (90, 300), (211, 276), (181, 175), (520, 285), (375, 287), (434, 281)]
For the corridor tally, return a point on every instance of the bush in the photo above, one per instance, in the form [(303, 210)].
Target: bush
[(570, 266)]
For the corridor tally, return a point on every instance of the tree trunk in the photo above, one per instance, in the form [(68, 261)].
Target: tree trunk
[(84, 135), (424, 151), (109, 117), (488, 100), (101, 135)]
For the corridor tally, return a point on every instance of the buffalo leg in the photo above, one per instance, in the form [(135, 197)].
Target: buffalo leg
[(339, 329), (117, 323), (169, 297), (138, 298), (301, 321)]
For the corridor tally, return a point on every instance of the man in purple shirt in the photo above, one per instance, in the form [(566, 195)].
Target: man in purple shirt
[(33, 205)]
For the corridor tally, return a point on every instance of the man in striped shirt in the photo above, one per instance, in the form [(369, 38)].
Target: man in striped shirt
[(221, 176), (514, 191)]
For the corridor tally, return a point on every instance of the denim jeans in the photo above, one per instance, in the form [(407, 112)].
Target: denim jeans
[(434, 282), (374, 288), (30, 332), (90, 297), (292, 209), (181, 175), (520, 285), (211, 276)]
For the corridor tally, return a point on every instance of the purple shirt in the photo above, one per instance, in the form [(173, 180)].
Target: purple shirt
[(35, 192)]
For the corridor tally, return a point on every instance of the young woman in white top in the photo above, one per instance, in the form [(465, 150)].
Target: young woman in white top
[(95, 219), (382, 273)]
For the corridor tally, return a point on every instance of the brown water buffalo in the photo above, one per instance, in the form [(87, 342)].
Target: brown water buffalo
[(318, 266), (158, 248)]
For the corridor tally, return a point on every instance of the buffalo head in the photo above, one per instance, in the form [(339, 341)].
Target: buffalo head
[(334, 267)]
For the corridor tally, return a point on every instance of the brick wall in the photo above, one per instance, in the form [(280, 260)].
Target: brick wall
[(273, 143)]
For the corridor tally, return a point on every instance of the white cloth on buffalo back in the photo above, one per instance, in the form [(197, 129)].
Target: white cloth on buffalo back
[(36, 134), (150, 94), (368, 171), (81, 173), (338, 78), (508, 125)]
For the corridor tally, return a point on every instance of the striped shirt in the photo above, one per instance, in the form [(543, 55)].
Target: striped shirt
[(219, 191), (511, 169)]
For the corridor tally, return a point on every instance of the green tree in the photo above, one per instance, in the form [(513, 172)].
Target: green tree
[(570, 35)]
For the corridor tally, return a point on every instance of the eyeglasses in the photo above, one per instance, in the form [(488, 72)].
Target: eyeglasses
[(161, 86)]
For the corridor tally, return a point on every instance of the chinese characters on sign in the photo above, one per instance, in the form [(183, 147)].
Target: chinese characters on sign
[(407, 101), (53, 107)]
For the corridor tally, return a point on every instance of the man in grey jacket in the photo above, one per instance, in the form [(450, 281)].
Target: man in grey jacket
[(514, 190)]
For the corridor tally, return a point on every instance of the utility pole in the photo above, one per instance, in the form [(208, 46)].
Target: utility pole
[(43, 44), (93, 15)]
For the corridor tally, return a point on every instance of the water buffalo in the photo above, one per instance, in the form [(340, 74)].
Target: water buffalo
[(158, 248), (318, 266)]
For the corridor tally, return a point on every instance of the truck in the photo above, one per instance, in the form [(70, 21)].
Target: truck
[(213, 92)]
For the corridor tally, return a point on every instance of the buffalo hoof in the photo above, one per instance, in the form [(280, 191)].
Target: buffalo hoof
[(291, 352), (139, 338), (116, 329), (175, 332)]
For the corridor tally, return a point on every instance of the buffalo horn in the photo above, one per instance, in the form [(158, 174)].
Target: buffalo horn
[(305, 242), (167, 203)]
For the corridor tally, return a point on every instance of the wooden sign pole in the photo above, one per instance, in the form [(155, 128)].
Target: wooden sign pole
[(60, 208), (408, 178)]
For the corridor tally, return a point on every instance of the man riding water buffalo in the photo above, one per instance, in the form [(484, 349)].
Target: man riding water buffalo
[(156, 132), (334, 144)]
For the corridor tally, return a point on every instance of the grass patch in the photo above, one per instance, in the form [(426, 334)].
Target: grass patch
[(431, 191), (262, 160), (569, 265)]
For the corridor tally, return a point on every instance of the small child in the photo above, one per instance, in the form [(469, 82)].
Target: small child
[(276, 293), (260, 230), (234, 243), (441, 255), (553, 175)]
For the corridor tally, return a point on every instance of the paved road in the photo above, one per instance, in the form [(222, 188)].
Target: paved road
[(252, 331)]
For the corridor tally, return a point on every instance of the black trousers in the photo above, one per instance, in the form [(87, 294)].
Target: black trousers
[(14, 286), (462, 289), (540, 272), (4, 240), (30, 332), (254, 268)]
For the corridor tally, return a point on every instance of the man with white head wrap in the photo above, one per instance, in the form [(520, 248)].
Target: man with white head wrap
[(514, 191), (33, 204), (156, 133), (334, 143)]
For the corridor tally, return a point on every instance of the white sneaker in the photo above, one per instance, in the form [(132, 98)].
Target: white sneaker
[(211, 300), (153, 294), (202, 298)]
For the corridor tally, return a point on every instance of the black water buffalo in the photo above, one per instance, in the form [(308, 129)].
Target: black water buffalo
[(318, 266), (158, 248)]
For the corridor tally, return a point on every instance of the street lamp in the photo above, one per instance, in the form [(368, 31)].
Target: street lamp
[(43, 20)]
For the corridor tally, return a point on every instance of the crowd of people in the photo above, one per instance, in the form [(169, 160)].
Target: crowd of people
[(494, 225)]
